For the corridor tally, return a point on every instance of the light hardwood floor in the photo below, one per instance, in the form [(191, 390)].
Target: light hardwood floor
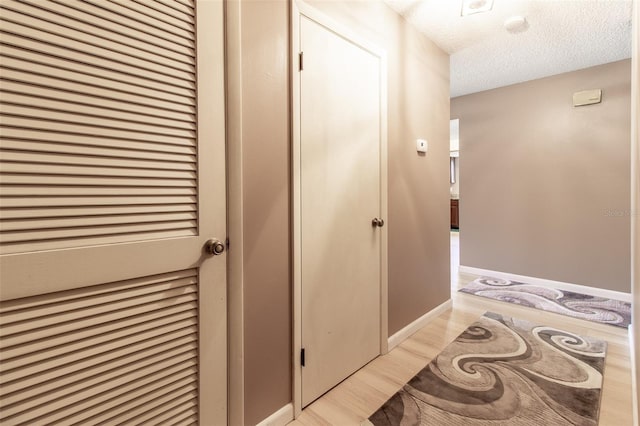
[(356, 398)]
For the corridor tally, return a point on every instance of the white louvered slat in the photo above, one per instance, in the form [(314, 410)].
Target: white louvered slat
[(191, 421), (90, 71), (159, 22), (176, 389), (86, 369), (182, 6), (18, 179), (174, 411), (186, 419), (154, 402), (20, 156), (88, 191), (69, 148), (41, 48), (15, 355), (72, 100), (80, 129), (48, 379), (18, 225), (173, 9), (88, 111), (105, 53), (77, 31), (94, 201), (90, 140), (188, 3), (103, 80), (84, 211), (73, 169), (114, 26), (97, 88), (59, 14), (130, 367), (133, 370), (169, 322), (184, 22), (169, 409), (182, 350), (63, 320), (62, 229), (40, 52), (74, 411), (100, 351)]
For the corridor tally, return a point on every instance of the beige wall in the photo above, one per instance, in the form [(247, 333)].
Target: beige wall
[(544, 186), (266, 238), (418, 186)]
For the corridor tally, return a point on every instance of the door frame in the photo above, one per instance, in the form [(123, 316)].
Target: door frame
[(235, 214), (299, 9)]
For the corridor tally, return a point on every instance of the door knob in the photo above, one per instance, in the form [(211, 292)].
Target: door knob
[(214, 247), (377, 222)]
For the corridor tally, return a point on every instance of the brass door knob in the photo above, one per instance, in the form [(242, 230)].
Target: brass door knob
[(377, 222), (214, 247)]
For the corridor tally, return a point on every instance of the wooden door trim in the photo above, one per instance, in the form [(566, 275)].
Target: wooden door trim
[(235, 272), (299, 9)]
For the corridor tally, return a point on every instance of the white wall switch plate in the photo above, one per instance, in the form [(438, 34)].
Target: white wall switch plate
[(422, 145)]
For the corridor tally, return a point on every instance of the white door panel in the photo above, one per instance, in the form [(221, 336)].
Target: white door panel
[(112, 178), (340, 186)]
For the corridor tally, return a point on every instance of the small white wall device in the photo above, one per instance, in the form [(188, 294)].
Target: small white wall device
[(587, 97), (422, 145)]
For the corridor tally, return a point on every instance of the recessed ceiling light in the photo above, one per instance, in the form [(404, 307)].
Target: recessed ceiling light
[(469, 7), (516, 24)]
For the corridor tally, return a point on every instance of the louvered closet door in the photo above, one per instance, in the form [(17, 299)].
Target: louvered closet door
[(112, 178)]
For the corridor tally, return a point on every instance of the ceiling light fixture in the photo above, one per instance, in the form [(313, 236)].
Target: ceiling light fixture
[(516, 24), (470, 7)]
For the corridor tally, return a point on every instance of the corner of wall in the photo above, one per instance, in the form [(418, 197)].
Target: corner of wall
[(634, 338)]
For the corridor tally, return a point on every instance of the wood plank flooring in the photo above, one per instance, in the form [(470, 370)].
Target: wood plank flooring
[(356, 398)]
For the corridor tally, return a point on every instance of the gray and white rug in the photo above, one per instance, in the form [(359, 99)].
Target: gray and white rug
[(582, 306), (504, 371)]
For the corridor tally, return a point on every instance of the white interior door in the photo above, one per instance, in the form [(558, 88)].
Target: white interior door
[(112, 178), (340, 196)]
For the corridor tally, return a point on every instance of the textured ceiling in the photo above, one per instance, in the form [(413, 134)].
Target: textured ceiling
[(563, 35)]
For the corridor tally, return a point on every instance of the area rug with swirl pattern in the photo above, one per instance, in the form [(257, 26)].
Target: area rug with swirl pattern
[(504, 371), (577, 305)]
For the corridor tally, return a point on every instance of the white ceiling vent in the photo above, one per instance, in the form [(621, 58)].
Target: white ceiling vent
[(470, 7)]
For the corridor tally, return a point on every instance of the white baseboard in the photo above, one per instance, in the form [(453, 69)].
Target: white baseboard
[(403, 334), (576, 288), (280, 417), (634, 382)]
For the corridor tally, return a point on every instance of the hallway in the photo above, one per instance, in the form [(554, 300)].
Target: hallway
[(353, 400)]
